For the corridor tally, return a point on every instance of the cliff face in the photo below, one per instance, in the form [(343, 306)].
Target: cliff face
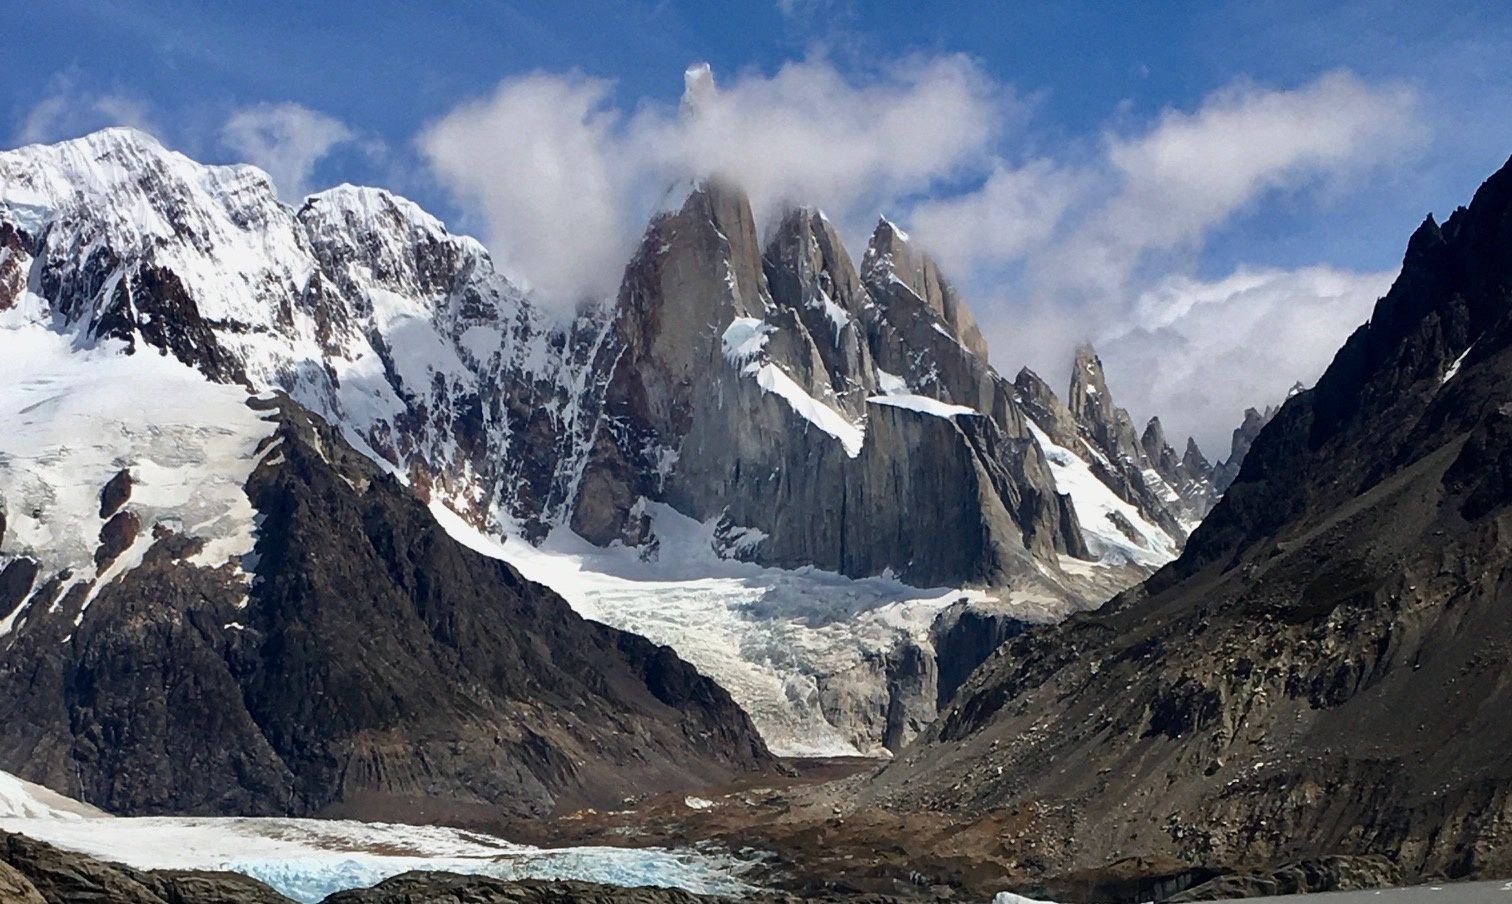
[(1322, 671), (753, 387)]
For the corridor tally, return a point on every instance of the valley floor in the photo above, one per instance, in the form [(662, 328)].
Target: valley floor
[(786, 834)]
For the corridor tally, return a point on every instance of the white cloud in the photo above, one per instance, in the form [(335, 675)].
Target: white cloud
[(1015, 210), (1198, 353), (1191, 172), (547, 163), (808, 135), (69, 111), (286, 140), (564, 179), (1118, 269), (1091, 241)]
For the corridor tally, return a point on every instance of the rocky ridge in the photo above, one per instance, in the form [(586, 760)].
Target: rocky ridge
[(1288, 688)]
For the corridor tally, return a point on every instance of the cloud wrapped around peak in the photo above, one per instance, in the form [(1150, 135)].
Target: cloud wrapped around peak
[(1051, 247), (285, 140), (563, 179)]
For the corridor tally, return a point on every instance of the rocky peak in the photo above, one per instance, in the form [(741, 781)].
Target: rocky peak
[(1153, 442), (1088, 398), (1194, 461), (1046, 409), (892, 256), (1243, 437), (810, 274)]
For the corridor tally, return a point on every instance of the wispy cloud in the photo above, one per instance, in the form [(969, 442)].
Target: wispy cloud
[(286, 140), (1106, 247), (69, 110)]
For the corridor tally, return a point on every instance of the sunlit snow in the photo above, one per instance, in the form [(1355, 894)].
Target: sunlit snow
[(768, 635), (1096, 504), (73, 417)]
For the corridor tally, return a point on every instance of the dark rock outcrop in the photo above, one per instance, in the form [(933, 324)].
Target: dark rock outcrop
[(1305, 878), (1323, 671), (374, 664), (115, 493), (964, 636), (32, 872), (116, 535)]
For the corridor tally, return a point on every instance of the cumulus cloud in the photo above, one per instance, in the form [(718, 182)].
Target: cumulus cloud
[(68, 111), (1117, 269), (564, 178), (549, 165), (1200, 352), (1016, 210), (285, 140)]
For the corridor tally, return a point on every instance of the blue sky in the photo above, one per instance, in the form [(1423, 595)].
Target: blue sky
[(1082, 109)]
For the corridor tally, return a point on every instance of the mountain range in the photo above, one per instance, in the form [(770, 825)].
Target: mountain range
[(1323, 671), (313, 511), (802, 412)]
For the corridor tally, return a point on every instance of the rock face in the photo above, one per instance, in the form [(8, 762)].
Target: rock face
[(753, 388), (1323, 670), (372, 663)]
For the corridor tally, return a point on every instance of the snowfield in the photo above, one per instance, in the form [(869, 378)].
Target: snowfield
[(73, 418), (1096, 506)]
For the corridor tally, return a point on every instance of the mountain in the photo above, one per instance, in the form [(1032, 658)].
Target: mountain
[(1322, 673), (786, 442), (356, 657)]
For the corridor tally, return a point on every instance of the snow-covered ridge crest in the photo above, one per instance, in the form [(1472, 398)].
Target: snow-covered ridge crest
[(359, 304)]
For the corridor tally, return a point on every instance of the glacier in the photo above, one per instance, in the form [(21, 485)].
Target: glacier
[(308, 859)]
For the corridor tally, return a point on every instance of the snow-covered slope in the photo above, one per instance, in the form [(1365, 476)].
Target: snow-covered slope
[(1115, 531), (73, 419)]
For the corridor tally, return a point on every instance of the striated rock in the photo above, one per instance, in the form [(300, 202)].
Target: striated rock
[(16, 889)]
